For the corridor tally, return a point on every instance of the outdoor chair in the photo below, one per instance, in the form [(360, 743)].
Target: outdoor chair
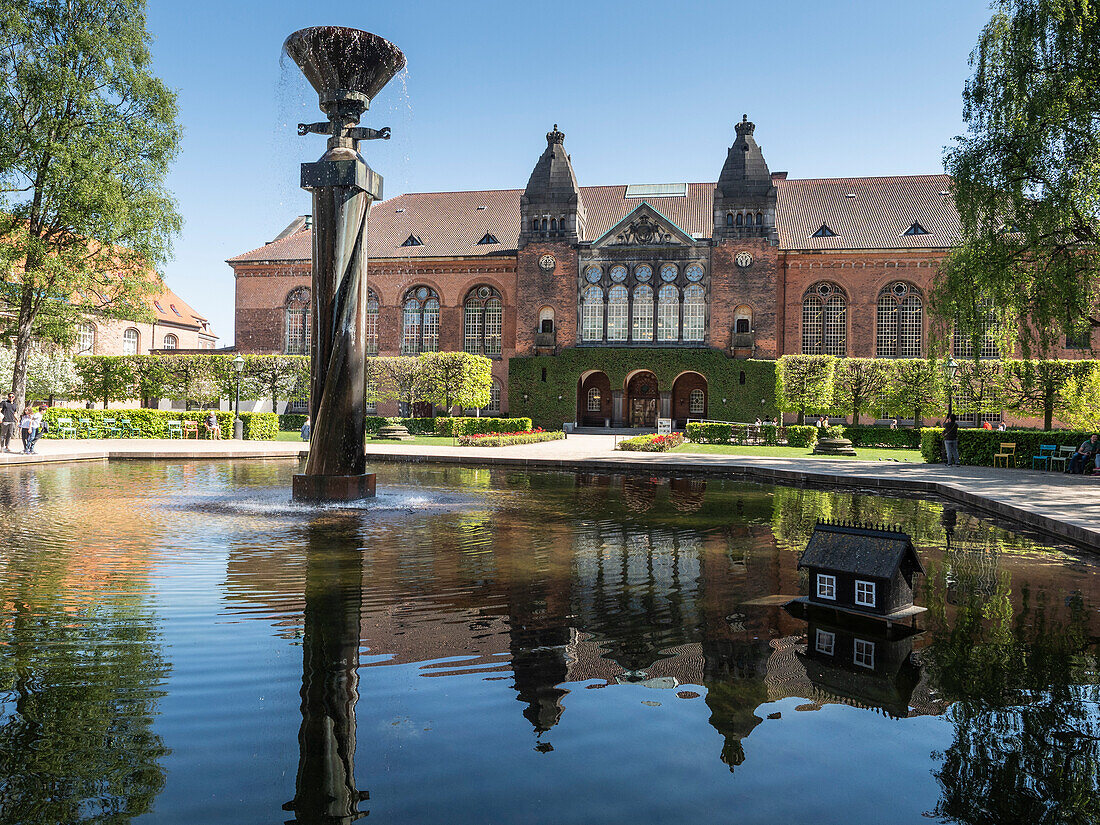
[(1046, 453), (191, 428), (110, 428), (1007, 455), (128, 429), (175, 429), (1063, 456), (65, 428), (87, 428)]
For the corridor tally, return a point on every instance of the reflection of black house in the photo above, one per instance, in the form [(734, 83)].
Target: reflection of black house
[(867, 570)]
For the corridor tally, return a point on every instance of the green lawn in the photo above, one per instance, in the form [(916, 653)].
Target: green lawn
[(864, 453)]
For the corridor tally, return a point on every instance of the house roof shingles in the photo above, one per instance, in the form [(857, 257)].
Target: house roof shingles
[(859, 550), (450, 224)]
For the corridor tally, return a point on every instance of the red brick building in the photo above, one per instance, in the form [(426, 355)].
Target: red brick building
[(751, 267)]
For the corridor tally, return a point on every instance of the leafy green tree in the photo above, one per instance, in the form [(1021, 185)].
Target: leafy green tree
[(456, 379), (150, 376), (916, 386), (804, 382), (1040, 387), (105, 378), (859, 384), (1027, 175), (275, 377), (87, 134), (979, 387), (1080, 399), (190, 378), (397, 378), (51, 372)]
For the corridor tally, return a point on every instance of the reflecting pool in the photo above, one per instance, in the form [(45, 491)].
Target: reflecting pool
[(181, 643)]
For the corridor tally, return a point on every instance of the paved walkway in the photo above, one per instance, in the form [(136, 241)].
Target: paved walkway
[(1061, 505)]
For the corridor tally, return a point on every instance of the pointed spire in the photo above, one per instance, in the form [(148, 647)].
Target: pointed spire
[(552, 197), (745, 196)]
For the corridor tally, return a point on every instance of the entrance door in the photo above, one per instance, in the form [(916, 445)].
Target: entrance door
[(642, 397), (643, 412)]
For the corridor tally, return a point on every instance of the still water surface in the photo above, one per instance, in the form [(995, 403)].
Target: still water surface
[(181, 644)]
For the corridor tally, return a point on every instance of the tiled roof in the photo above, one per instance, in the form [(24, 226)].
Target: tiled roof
[(859, 550), (451, 223), (168, 307)]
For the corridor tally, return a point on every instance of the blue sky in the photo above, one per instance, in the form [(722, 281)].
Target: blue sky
[(645, 92)]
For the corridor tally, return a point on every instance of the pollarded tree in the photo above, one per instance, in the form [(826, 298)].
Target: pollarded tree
[(396, 378), (1080, 396), (915, 386), (804, 382), (1040, 387), (979, 387), (859, 384), (190, 378), (105, 378), (87, 134), (1026, 175), (273, 376), (457, 379)]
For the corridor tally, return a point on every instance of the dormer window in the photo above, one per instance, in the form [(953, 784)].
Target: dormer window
[(824, 232), (916, 229), (489, 238), (413, 240)]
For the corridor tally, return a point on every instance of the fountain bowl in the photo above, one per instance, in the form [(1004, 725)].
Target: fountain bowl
[(342, 63)]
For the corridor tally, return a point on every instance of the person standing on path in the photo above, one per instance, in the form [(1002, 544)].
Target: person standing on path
[(26, 428), (9, 421), (36, 424), (951, 440)]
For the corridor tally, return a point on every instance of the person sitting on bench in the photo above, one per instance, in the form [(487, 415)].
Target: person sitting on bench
[(213, 428), (1083, 454)]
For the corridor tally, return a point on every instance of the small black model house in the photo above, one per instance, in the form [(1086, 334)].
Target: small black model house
[(862, 569)]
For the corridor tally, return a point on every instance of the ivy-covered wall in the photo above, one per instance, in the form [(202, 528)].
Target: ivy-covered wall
[(552, 401)]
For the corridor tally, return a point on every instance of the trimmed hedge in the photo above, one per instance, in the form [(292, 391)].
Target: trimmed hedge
[(801, 435), (909, 439), (702, 433), (459, 425), (260, 426), (552, 399), (977, 446), (506, 439), (651, 443), (288, 422)]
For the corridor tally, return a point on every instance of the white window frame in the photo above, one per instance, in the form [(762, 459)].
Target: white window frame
[(863, 653), (131, 341), (825, 642), (862, 587), (825, 582), (171, 341)]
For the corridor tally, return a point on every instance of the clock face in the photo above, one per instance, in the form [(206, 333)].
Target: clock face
[(694, 273), (547, 262), (643, 273), (618, 274), (668, 273), (743, 259), (593, 274)]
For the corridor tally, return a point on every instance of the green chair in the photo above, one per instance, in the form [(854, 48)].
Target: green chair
[(128, 429), (1063, 456), (87, 428), (110, 428), (1046, 453), (65, 428), (175, 429)]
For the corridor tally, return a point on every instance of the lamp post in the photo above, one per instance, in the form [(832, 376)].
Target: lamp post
[(952, 371), (238, 425)]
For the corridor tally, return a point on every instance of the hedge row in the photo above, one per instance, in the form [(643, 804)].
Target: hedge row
[(506, 439), (288, 422), (454, 427), (883, 437), (718, 433), (801, 435), (145, 423), (651, 443), (977, 447)]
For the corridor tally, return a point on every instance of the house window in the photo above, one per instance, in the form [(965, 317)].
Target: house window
[(695, 312), (130, 342), (594, 400), (697, 402), (372, 398), (617, 309), (900, 321), (592, 314), (825, 321), (494, 398), (668, 313), (412, 240), (546, 320), (865, 593), (863, 653), (915, 229), (825, 642), (1078, 335), (171, 342), (963, 344), (826, 586), (85, 344), (297, 310), (420, 328), (641, 327), (484, 320), (372, 322)]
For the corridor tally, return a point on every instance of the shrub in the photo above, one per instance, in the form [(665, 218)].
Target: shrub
[(770, 433), (977, 446), (292, 421), (457, 426), (801, 436), (931, 444), (258, 426), (883, 437), (154, 423), (651, 443), (701, 433), (506, 439)]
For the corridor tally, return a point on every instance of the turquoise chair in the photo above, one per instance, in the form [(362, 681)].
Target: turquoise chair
[(1046, 453), (65, 428), (175, 429), (110, 428)]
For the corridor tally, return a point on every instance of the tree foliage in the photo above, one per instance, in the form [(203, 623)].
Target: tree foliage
[(107, 378), (860, 384), (397, 378), (50, 372), (456, 379), (272, 376), (87, 134), (804, 382), (1045, 388), (1026, 175), (916, 388)]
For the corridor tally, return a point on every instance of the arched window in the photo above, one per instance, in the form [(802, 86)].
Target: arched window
[(553, 224), (617, 308), (697, 404), (297, 322), (668, 313), (544, 224), (171, 341), (483, 321), (825, 320), (729, 219), (759, 219), (740, 219), (748, 219), (900, 321), (85, 340), (594, 400), (420, 327), (546, 320), (372, 322), (641, 326), (592, 314), (695, 312), (963, 345), (130, 342)]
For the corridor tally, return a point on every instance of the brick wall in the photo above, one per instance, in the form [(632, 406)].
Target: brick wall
[(537, 287), (755, 285)]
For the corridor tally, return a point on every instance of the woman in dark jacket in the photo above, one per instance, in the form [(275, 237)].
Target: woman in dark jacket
[(951, 440)]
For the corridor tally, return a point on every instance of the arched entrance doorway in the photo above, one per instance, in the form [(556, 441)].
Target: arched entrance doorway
[(594, 400), (689, 398), (641, 399)]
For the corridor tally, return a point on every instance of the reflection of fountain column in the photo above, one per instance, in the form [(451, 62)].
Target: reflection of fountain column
[(347, 68), (325, 789)]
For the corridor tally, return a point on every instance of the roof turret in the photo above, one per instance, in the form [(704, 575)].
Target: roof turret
[(552, 197), (745, 189)]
